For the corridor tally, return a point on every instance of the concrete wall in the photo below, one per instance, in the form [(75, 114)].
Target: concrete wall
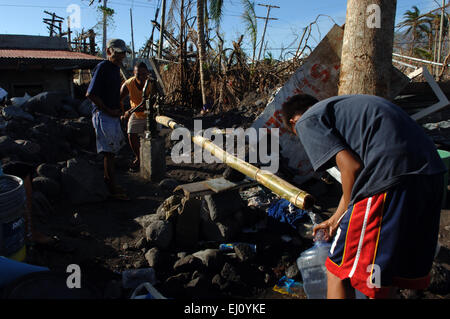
[(35, 81), (12, 41)]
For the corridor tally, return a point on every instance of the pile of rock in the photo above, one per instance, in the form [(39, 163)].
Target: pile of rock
[(182, 243), (53, 133), (48, 128)]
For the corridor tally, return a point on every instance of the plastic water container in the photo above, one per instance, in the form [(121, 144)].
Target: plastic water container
[(12, 222), (311, 264)]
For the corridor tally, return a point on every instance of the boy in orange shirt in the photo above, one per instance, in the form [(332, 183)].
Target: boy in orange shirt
[(137, 121)]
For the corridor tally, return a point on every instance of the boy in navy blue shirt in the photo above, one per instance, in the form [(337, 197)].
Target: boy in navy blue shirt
[(104, 92), (387, 222)]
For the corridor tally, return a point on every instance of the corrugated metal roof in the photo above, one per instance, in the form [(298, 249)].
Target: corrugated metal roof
[(45, 54)]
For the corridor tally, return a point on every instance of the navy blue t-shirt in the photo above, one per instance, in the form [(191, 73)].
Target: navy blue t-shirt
[(389, 143), (106, 83)]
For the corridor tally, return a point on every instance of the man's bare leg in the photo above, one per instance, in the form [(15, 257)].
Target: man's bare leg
[(109, 172), (338, 289), (135, 144)]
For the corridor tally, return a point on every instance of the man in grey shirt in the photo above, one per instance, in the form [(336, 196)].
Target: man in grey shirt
[(392, 190)]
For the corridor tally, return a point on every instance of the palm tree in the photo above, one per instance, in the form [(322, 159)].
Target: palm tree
[(413, 20), (249, 17)]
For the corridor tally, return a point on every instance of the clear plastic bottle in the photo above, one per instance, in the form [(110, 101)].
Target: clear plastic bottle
[(311, 264)]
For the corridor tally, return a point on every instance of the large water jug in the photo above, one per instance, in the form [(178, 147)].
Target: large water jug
[(311, 264)]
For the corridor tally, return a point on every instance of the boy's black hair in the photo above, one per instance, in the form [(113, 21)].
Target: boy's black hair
[(141, 65), (298, 104)]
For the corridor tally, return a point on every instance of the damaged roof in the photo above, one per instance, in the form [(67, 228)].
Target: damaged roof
[(18, 51)]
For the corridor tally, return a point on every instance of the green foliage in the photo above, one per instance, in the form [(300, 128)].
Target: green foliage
[(250, 21), (108, 11), (216, 10), (423, 54)]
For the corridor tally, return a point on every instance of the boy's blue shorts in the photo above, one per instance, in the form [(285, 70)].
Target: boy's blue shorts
[(390, 239)]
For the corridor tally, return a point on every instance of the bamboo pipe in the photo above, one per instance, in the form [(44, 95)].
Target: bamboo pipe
[(296, 196)]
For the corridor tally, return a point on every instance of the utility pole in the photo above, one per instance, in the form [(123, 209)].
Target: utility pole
[(69, 34), (104, 27), (265, 25), (366, 62), (162, 29), (441, 32), (132, 35)]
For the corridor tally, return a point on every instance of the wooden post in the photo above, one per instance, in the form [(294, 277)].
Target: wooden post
[(366, 62), (91, 41), (132, 36), (265, 25), (69, 34), (104, 27), (201, 46), (162, 29), (182, 55), (441, 31)]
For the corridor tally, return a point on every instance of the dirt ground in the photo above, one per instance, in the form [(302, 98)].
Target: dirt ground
[(104, 233)]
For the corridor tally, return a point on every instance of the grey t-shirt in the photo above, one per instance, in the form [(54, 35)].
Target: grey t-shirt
[(385, 138)]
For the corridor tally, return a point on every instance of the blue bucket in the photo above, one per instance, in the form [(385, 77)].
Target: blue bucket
[(10, 270)]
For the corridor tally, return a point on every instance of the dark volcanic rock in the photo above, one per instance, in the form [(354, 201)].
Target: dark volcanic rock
[(47, 186), (440, 279), (50, 171), (222, 206), (83, 182), (159, 234), (187, 264), (153, 257), (244, 252)]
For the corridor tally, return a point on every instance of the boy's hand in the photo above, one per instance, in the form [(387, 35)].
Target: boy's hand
[(125, 116), (330, 226)]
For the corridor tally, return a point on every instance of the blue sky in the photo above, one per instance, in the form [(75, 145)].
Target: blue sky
[(25, 17)]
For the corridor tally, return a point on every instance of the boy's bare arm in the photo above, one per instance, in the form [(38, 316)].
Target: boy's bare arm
[(350, 167), (123, 94)]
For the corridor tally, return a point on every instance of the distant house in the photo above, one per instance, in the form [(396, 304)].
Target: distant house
[(34, 64)]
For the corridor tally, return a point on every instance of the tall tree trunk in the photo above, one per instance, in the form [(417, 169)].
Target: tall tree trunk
[(105, 17), (201, 45), (366, 63), (182, 55)]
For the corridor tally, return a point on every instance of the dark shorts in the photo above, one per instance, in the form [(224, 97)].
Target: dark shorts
[(390, 239)]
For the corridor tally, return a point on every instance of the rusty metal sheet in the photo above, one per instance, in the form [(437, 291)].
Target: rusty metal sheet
[(212, 186), (194, 189), (219, 184)]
